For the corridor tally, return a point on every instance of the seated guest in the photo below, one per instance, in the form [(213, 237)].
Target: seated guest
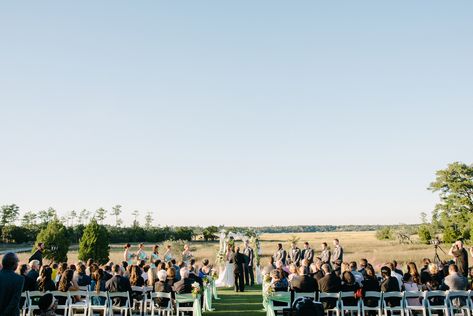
[(23, 271), (278, 281), (136, 278), (392, 267), (303, 282), (424, 271), (358, 275), (409, 285), (363, 264), (434, 278), (60, 270), (293, 271), (370, 283), (282, 268), (98, 285), (396, 269), (118, 283), (306, 264), (390, 284), (171, 276), (82, 278), (349, 283), (184, 285), (412, 270), (46, 282), (162, 287), (330, 283), (66, 284), (31, 278), (205, 269), (454, 281), (316, 270)]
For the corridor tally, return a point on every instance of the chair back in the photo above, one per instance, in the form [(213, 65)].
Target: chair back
[(160, 295), (311, 295)]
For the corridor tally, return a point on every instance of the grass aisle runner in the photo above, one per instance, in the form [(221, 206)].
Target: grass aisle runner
[(248, 303)]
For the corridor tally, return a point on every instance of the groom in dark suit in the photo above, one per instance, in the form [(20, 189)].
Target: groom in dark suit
[(249, 258), (238, 271)]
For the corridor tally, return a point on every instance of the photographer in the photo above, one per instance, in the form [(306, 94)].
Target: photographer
[(460, 256)]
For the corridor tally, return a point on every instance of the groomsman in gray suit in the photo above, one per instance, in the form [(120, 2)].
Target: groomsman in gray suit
[(248, 265), (295, 254), (308, 253), (280, 254), (337, 256)]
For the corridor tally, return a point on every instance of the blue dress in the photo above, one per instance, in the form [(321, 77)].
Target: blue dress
[(97, 300)]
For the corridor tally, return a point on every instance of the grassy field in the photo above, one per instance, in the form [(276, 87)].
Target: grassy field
[(356, 245), (248, 303)]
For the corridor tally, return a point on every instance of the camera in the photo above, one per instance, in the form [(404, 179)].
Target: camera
[(435, 241)]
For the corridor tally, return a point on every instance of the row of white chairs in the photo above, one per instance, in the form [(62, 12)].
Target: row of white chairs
[(450, 303), (84, 303)]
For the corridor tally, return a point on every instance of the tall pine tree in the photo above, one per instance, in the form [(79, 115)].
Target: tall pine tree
[(94, 243)]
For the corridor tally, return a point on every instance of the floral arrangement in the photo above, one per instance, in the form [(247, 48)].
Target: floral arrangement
[(267, 278), (269, 290), (206, 279), (196, 289), (214, 275)]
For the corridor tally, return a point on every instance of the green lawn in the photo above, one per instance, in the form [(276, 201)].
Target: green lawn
[(248, 303)]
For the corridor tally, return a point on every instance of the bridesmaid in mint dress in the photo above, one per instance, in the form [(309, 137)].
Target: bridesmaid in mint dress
[(168, 254), (141, 254), (127, 255), (154, 256)]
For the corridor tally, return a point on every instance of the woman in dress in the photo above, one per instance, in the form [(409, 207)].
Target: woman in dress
[(187, 255), (168, 254), (205, 269), (141, 254), (154, 256), (127, 255), (227, 278)]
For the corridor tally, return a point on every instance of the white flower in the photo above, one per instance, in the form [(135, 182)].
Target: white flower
[(196, 285)]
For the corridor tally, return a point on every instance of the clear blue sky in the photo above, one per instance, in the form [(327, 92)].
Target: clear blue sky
[(243, 112)]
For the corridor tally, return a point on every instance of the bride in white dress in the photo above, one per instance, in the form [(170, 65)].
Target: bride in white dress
[(226, 278)]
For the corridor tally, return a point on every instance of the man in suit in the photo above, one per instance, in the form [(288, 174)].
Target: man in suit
[(184, 285), (303, 282), (249, 258), (280, 254), (329, 283), (455, 281), (38, 254), (295, 254), (308, 253), (461, 257), (389, 284), (31, 278), (118, 283), (11, 285), (238, 264), (325, 254), (337, 256)]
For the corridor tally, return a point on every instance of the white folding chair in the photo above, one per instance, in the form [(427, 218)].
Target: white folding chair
[(98, 302), (124, 307), (414, 302), (32, 298), (61, 296), (83, 288), (436, 301), (185, 299), (158, 310), (346, 307), (24, 303), (78, 302), (371, 296), (458, 301), (386, 296), (328, 297), (140, 303), (311, 295)]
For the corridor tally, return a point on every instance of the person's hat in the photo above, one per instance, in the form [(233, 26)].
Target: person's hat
[(46, 301)]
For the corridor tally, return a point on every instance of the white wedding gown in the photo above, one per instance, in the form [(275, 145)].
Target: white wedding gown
[(226, 278)]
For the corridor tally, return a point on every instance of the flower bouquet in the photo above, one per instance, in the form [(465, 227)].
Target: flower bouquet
[(196, 290), (206, 280)]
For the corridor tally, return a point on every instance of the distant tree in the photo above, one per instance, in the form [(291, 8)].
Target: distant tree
[(425, 233), (454, 213), (148, 220), (46, 216), (294, 239), (100, 215), (56, 240), (94, 243), (84, 217), (135, 214), (9, 214), (29, 219), (116, 211), (72, 217), (210, 233), (385, 233)]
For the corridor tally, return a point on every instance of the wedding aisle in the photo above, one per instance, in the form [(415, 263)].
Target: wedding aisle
[(247, 303)]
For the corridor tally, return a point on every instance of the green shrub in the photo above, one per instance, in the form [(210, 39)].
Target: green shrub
[(385, 233), (94, 243), (56, 241)]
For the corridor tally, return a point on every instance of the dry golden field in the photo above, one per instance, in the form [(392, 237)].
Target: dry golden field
[(356, 245)]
